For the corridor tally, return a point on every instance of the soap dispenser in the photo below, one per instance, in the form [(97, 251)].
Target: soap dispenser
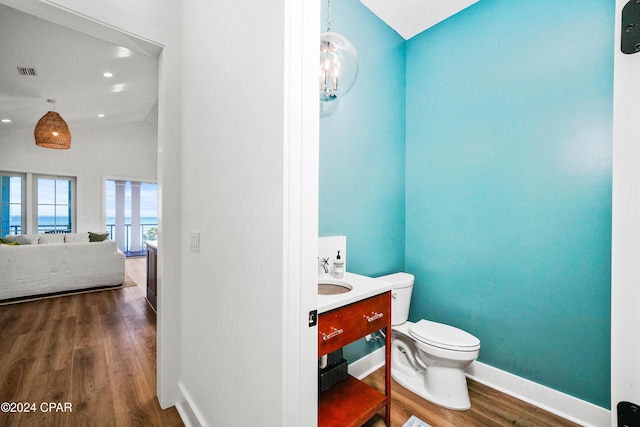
[(338, 267)]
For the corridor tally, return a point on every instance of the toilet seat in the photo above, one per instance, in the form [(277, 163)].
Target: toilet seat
[(443, 336)]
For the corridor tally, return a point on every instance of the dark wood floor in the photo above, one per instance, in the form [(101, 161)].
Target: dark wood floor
[(97, 352), (94, 350)]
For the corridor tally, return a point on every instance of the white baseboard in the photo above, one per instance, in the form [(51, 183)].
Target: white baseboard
[(188, 411), (367, 364), (556, 402), (568, 407)]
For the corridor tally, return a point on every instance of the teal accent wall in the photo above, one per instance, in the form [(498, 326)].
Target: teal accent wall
[(508, 218), (362, 146), (504, 114), (362, 152)]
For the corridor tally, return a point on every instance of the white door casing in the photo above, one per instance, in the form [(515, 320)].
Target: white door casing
[(625, 267)]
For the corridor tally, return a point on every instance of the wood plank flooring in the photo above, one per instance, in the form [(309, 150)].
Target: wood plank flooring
[(489, 408), (94, 350), (97, 351)]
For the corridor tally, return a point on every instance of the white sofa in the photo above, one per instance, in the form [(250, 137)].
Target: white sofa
[(44, 264)]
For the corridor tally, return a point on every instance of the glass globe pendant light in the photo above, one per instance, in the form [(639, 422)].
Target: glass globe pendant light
[(338, 63)]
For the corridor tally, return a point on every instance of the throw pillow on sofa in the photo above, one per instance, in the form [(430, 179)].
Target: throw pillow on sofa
[(22, 239), (98, 237)]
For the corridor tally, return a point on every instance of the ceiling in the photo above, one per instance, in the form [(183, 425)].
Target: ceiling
[(70, 67), (411, 17)]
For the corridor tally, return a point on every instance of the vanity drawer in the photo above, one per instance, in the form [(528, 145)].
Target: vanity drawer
[(339, 327)]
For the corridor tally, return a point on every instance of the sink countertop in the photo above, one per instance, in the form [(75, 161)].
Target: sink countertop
[(363, 288)]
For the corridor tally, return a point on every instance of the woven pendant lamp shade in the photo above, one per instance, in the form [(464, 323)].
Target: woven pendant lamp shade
[(52, 132)]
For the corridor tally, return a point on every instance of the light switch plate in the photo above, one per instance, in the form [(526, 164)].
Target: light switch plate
[(195, 242)]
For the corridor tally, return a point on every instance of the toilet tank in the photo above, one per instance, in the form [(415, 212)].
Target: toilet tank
[(400, 296)]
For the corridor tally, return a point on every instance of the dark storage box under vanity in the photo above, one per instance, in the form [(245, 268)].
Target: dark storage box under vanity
[(334, 372)]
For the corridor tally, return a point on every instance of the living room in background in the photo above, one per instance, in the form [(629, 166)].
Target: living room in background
[(12, 205), (132, 214), (55, 196)]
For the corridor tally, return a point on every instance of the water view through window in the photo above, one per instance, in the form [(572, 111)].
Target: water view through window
[(55, 209), (131, 213), (131, 208)]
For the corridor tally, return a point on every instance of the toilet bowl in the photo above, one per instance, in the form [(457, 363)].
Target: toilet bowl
[(428, 358)]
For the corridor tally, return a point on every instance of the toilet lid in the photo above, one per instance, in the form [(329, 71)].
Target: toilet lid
[(444, 336)]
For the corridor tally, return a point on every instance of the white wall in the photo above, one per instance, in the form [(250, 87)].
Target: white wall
[(250, 163), (625, 281), (233, 195), (116, 150)]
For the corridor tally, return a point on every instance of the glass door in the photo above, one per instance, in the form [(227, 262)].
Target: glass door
[(132, 214)]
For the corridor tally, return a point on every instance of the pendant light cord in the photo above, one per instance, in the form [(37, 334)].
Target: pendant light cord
[(53, 104), (328, 16)]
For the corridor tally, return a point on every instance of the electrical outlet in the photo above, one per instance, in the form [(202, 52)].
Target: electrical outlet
[(195, 242)]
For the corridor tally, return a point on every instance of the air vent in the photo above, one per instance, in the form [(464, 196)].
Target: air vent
[(26, 71)]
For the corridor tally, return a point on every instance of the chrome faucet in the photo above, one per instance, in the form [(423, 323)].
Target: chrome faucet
[(324, 263)]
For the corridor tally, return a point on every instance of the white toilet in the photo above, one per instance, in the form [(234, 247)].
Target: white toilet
[(428, 358)]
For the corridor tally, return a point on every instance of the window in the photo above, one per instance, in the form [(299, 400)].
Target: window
[(12, 206), (132, 213), (31, 203), (55, 196)]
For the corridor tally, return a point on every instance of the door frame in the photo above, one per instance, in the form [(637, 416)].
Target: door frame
[(625, 252)]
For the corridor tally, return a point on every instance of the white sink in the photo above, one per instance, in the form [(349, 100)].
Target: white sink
[(333, 287), (334, 293)]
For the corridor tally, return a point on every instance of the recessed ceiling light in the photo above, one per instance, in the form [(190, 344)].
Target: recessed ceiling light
[(108, 74), (100, 115), (6, 120), (123, 52)]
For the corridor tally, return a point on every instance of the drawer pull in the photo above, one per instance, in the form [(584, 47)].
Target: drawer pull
[(375, 316), (335, 333)]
